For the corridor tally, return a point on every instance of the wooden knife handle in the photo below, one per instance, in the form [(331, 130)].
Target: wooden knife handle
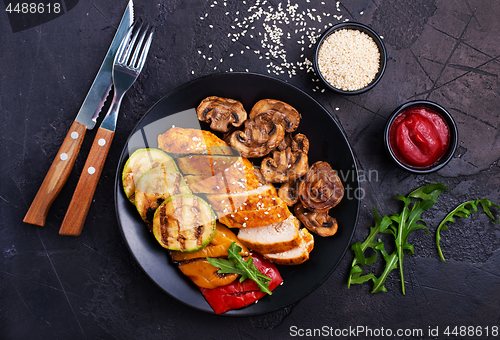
[(57, 175), (82, 197)]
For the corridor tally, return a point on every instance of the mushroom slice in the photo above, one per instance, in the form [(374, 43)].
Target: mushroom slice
[(321, 189), (221, 112), (289, 193), (319, 223), (284, 166), (296, 143), (289, 162), (289, 116), (261, 134)]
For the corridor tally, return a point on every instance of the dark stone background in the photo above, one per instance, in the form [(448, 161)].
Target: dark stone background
[(89, 287)]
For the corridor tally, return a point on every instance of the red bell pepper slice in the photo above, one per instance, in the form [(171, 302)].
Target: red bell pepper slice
[(237, 295)]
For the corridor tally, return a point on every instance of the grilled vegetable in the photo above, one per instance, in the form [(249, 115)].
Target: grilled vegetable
[(184, 222), (240, 294), (195, 265), (154, 187), (236, 264), (204, 275), (139, 163), (216, 248)]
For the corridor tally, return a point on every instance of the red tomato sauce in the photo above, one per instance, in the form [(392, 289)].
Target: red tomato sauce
[(419, 137)]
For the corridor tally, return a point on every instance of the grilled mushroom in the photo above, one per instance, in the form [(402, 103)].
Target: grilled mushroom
[(297, 142), (289, 116), (289, 193), (284, 166), (289, 162), (261, 134), (221, 112), (319, 223), (321, 189)]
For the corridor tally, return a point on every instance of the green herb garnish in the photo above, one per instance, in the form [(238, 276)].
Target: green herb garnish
[(400, 226), (464, 210), (235, 264)]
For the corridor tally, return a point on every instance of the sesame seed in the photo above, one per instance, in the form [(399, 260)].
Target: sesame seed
[(278, 28), (349, 59)]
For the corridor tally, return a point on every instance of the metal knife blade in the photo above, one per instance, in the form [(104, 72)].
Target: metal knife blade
[(101, 86), (64, 161)]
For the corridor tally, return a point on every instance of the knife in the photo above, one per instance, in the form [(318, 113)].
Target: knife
[(85, 119)]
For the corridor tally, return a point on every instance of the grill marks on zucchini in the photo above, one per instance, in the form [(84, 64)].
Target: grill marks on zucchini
[(141, 161), (184, 222), (154, 187)]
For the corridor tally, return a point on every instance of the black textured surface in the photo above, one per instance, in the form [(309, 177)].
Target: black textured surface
[(90, 287)]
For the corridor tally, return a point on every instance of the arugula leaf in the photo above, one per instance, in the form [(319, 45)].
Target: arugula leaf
[(486, 204), (391, 262), (408, 220), (381, 224), (398, 225), (464, 210), (235, 264)]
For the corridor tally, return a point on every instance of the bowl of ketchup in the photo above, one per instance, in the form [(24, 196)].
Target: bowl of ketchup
[(421, 136)]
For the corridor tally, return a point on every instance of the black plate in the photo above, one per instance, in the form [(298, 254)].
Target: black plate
[(327, 142)]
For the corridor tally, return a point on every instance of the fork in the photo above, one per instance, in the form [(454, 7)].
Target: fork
[(126, 69)]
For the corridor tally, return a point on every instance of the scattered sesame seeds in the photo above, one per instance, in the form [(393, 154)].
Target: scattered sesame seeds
[(278, 32)]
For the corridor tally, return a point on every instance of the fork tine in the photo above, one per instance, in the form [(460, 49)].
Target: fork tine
[(145, 50), (130, 46), (123, 45), (133, 61)]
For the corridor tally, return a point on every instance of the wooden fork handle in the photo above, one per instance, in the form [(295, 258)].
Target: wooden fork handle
[(57, 175), (76, 214)]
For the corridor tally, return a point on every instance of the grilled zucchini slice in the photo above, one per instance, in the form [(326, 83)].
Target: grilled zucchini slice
[(184, 222), (139, 163), (154, 187)]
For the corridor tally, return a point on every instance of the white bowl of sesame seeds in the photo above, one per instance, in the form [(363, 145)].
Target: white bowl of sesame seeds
[(350, 58)]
